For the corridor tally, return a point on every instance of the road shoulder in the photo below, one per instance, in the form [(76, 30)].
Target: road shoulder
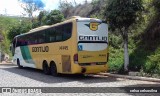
[(131, 77)]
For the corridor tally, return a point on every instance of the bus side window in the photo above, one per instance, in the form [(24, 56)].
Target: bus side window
[(18, 42), (59, 32), (47, 36), (52, 36), (23, 41), (35, 39), (32, 39), (40, 37), (67, 31), (26, 40)]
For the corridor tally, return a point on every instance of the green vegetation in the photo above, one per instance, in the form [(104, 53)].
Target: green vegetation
[(142, 27), (44, 18), (22, 27), (12, 26), (5, 24), (122, 15), (143, 40), (48, 18), (145, 56)]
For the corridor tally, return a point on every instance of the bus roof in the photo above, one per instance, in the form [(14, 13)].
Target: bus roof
[(77, 18), (39, 28), (84, 19), (88, 20)]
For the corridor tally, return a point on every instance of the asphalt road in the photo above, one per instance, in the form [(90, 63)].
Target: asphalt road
[(12, 76)]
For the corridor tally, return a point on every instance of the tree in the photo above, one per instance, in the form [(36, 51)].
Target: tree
[(121, 15), (66, 6), (42, 16), (55, 16), (30, 6), (5, 23), (1, 37), (18, 29), (48, 18), (40, 20), (156, 4)]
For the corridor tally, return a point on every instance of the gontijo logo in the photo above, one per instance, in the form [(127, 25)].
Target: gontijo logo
[(93, 26)]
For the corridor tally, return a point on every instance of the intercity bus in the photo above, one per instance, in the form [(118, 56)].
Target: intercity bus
[(75, 46)]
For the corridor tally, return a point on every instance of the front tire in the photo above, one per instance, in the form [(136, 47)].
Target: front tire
[(18, 64)]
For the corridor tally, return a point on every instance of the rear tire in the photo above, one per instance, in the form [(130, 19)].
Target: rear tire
[(46, 69), (18, 64), (53, 69)]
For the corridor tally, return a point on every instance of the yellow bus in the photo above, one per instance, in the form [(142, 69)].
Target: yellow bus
[(75, 46)]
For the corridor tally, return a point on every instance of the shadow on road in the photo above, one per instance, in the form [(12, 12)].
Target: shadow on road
[(38, 75)]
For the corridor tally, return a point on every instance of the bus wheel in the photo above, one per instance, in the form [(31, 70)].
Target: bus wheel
[(46, 69), (53, 69), (18, 64)]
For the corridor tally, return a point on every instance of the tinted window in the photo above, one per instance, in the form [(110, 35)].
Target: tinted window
[(40, 37), (21, 41), (59, 33), (54, 34), (33, 39), (51, 34), (67, 31)]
